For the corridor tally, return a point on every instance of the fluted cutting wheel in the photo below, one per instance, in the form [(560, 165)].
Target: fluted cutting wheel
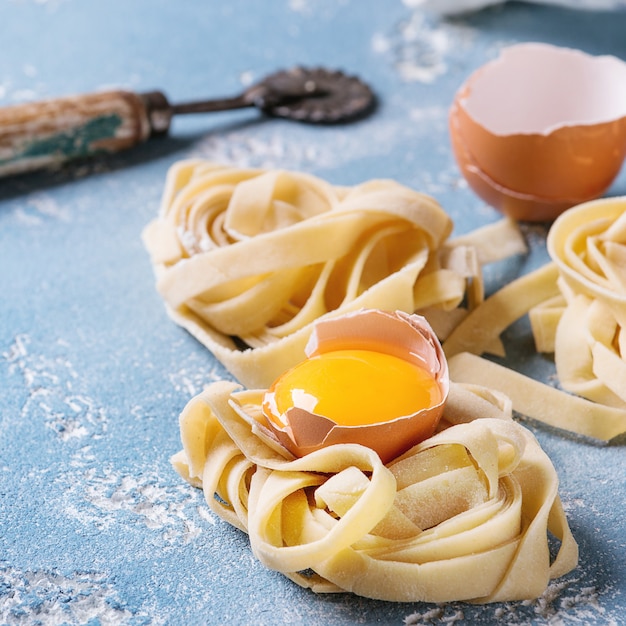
[(329, 96)]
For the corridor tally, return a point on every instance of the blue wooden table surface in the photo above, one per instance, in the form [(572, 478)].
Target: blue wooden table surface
[(95, 526)]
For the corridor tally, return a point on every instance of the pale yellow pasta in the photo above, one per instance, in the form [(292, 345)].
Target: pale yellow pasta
[(541, 401), (577, 309), (483, 326), (463, 515), (260, 255), (588, 245)]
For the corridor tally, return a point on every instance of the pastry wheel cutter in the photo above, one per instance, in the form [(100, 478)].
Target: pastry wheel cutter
[(48, 133)]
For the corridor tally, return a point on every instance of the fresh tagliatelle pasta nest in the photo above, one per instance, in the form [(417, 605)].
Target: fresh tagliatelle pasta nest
[(252, 258), (577, 309), (462, 515)]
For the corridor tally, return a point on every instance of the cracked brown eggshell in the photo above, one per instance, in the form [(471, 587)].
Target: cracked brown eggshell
[(409, 337), (541, 128)]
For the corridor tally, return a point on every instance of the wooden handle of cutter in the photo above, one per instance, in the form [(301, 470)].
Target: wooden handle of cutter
[(48, 133)]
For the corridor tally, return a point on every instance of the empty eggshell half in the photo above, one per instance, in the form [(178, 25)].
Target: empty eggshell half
[(541, 128), (408, 337)]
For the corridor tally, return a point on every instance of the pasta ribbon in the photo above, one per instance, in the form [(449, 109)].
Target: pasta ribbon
[(464, 515), (255, 257), (577, 309)]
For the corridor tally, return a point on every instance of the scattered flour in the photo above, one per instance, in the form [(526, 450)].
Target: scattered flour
[(29, 70), (272, 148), (309, 8), (562, 603), (436, 615), (53, 394), (48, 598), (300, 6), (94, 495), (421, 48), (191, 380), (246, 78), (38, 207), (244, 149)]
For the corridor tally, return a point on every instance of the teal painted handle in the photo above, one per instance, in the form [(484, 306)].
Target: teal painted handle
[(48, 133)]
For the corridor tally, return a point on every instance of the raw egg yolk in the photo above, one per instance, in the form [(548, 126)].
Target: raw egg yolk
[(353, 388)]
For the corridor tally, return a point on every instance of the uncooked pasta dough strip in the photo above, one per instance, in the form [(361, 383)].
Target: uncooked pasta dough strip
[(479, 329), (444, 287), (323, 240), (246, 312), (544, 320), (323, 512), (585, 359), (540, 401), (274, 200), (493, 242)]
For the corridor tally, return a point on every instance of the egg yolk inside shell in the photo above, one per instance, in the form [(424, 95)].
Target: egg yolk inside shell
[(353, 388)]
